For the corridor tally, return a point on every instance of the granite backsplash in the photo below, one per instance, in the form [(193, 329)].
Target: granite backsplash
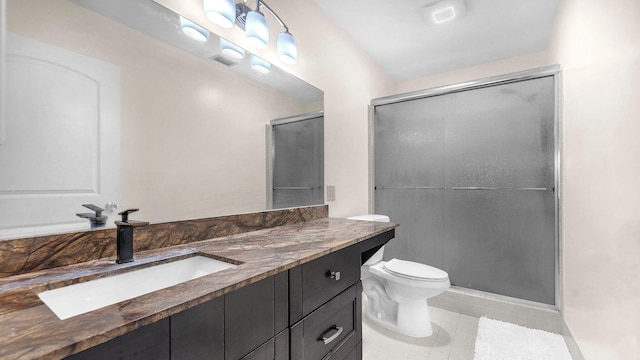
[(25, 255)]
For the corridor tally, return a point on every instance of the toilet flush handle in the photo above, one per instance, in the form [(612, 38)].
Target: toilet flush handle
[(334, 275)]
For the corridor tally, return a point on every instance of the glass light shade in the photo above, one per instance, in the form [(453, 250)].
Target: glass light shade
[(230, 49), (257, 30), (287, 48), (221, 12), (260, 65), (194, 30)]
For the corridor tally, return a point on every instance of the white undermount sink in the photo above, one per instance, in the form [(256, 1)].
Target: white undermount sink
[(80, 298)]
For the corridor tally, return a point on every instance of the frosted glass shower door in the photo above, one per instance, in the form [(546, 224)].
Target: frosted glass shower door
[(298, 162), (410, 175), (475, 175)]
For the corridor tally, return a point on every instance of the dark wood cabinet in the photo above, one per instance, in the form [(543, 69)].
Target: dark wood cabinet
[(354, 354), (198, 333), (311, 312), (332, 328), (316, 282), (254, 314), (149, 342), (274, 349), (325, 304)]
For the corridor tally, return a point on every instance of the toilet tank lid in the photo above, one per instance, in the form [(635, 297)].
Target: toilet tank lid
[(371, 217), (415, 270)]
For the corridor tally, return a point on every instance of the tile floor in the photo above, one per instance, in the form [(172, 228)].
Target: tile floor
[(453, 338), (455, 319)]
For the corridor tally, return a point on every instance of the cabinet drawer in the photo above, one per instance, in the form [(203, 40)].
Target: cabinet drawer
[(326, 277), (333, 326)]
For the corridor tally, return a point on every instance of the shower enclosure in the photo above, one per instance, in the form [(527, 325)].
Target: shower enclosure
[(297, 161), (469, 173)]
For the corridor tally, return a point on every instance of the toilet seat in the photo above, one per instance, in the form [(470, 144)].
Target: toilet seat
[(414, 271)]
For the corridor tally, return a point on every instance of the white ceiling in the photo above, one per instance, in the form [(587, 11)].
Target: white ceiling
[(397, 38)]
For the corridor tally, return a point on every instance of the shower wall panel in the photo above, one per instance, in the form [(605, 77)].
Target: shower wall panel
[(469, 176)]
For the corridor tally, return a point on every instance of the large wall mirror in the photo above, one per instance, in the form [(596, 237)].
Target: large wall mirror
[(111, 102)]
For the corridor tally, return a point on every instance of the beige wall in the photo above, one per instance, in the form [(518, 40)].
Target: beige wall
[(598, 44), (515, 64)]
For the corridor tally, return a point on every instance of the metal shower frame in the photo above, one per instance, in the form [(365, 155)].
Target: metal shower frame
[(552, 70)]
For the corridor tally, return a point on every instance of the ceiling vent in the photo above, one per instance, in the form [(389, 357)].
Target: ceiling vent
[(444, 11), (223, 60)]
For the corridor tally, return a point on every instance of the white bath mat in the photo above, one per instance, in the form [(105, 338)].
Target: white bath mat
[(499, 340)]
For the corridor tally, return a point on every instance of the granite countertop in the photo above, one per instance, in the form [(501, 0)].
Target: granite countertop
[(30, 330)]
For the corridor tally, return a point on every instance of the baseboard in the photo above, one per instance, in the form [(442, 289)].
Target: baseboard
[(576, 354)]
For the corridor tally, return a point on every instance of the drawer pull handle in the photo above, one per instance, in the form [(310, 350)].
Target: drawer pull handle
[(334, 275), (326, 338)]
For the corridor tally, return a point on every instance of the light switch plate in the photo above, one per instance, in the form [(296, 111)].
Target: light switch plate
[(331, 193)]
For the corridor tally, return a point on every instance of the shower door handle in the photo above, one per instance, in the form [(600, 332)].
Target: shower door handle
[(496, 188), (293, 188), (475, 188), (412, 187)]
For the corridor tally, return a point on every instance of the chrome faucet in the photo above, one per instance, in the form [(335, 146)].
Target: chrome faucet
[(125, 236)]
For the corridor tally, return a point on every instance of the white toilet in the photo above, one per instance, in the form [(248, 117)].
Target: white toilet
[(397, 290)]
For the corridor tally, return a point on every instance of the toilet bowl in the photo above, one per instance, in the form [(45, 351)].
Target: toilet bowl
[(397, 290)]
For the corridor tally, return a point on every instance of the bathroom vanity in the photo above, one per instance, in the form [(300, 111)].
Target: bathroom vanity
[(295, 293)]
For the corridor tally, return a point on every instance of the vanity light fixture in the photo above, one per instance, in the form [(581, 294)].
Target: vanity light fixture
[(221, 12), (254, 23), (194, 30), (442, 11), (230, 49), (260, 65)]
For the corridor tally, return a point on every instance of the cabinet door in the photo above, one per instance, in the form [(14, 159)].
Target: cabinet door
[(344, 354), (150, 342), (330, 331), (355, 354), (264, 352), (274, 349), (198, 333), (253, 314)]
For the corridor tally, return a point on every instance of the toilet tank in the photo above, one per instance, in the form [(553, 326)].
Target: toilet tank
[(377, 257)]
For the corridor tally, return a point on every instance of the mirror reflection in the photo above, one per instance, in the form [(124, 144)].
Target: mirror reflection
[(111, 102)]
